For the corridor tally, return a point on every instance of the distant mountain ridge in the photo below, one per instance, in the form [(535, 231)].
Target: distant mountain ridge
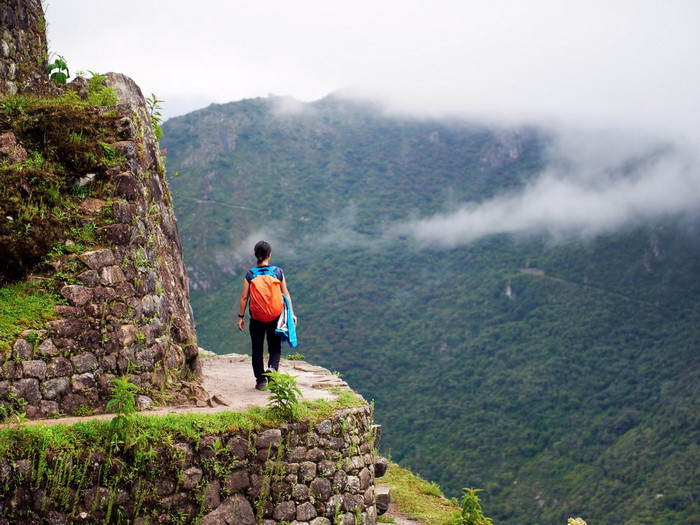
[(560, 377)]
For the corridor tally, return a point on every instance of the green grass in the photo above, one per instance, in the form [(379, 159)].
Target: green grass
[(418, 498), (22, 306), (96, 433)]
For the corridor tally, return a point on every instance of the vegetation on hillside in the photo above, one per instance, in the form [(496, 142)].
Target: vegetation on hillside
[(561, 378)]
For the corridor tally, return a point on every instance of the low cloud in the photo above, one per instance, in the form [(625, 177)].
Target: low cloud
[(594, 184)]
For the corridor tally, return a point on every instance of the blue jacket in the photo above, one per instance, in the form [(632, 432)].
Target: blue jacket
[(285, 325)]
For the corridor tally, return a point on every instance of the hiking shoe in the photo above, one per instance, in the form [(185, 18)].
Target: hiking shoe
[(261, 384), (270, 370)]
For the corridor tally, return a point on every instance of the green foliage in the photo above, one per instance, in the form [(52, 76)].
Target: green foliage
[(99, 94), (418, 498), (471, 512), (22, 306), (68, 146), (576, 392), (123, 403), (283, 401), (58, 70), (154, 107)]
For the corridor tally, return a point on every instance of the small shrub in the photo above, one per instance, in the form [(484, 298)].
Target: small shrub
[(123, 403), (471, 512), (283, 401)]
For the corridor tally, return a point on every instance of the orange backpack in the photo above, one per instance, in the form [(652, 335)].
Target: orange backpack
[(266, 301)]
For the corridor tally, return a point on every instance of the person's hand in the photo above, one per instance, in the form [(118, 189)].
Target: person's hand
[(294, 317), (241, 323)]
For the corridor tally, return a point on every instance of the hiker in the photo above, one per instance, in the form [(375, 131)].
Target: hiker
[(263, 289)]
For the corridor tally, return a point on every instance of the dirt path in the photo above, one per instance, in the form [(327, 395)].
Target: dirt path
[(229, 378)]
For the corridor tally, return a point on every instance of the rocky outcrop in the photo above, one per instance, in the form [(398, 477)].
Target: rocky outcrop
[(127, 307)]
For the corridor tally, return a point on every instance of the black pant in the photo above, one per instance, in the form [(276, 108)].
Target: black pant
[(258, 330)]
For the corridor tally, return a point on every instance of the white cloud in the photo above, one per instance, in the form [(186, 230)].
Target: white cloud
[(588, 190)]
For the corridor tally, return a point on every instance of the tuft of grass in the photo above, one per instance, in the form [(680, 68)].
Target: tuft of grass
[(418, 498), (23, 305)]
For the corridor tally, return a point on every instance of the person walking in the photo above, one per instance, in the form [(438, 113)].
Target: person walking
[(263, 287)]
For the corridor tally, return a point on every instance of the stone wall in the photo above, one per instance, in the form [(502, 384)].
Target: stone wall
[(127, 305), (303, 473), (23, 52)]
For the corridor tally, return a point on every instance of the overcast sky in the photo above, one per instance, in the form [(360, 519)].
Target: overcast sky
[(631, 62), (613, 77)]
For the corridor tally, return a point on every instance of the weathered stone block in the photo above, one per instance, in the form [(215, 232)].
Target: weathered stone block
[(34, 368), (85, 362), (235, 509), (119, 309), (119, 234), (307, 470), (91, 339), (190, 478), (89, 278), (286, 510), (76, 294), (165, 487), (320, 521), (98, 259), (23, 349), (326, 468), (321, 488), (306, 512), (59, 367), (380, 466), (68, 327), (49, 408), (315, 455), (335, 503), (68, 311), (382, 496), (91, 206), (47, 349), (353, 483), (297, 455), (340, 480), (301, 492), (212, 496), (111, 275), (82, 381), (55, 388), (369, 496), (237, 481), (127, 334), (365, 477), (125, 212), (27, 389), (143, 402), (183, 454), (125, 289), (324, 427), (102, 294)]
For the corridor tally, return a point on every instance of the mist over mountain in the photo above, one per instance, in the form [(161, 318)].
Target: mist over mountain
[(521, 303)]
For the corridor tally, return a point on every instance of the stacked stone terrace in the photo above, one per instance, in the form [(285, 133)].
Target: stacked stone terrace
[(128, 308)]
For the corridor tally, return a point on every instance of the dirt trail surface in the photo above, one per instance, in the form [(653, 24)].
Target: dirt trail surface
[(230, 383), (229, 378)]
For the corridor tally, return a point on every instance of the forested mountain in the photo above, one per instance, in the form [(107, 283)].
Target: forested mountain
[(561, 377)]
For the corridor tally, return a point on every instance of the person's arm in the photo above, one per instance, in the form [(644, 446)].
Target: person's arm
[(245, 294), (285, 291)]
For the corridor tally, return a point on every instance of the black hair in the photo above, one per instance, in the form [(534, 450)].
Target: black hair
[(262, 251)]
